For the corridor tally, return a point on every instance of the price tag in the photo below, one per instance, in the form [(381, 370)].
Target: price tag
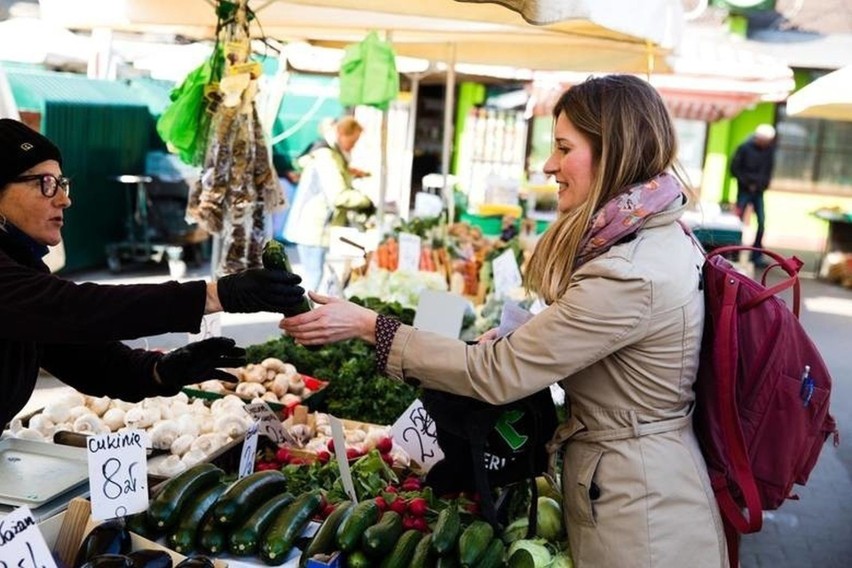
[(409, 252), (118, 473), (249, 449), (21, 543), (340, 454), (507, 275), (269, 424), (414, 431)]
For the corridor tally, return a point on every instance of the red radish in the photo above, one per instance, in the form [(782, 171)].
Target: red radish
[(353, 453), (407, 522), (418, 506), (472, 508), (384, 444), (391, 489), (323, 456), (398, 505), (327, 510), (383, 505), (413, 480), (283, 455), (387, 459), (330, 445), (298, 461), (420, 524)]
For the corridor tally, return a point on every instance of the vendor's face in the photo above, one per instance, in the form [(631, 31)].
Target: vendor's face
[(572, 164), (40, 217)]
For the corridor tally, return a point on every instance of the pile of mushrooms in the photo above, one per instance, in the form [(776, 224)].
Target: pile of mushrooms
[(271, 380)]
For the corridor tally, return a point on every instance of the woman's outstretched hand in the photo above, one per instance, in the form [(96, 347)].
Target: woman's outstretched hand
[(331, 320)]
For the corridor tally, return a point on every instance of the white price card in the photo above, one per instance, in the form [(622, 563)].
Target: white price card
[(269, 424), (249, 449), (409, 252), (342, 460), (21, 543), (118, 473), (440, 312), (414, 431), (507, 275)]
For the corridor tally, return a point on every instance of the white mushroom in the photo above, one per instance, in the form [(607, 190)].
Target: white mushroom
[(57, 411), (231, 424), (181, 445), (290, 399), (164, 433), (98, 405), (250, 390), (193, 457), (139, 417), (198, 407), (171, 466), (355, 436), (42, 424), (123, 405), (301, 432), (209, 443), (400, 456), (206, 424), (72, 398), (189, 424), (297, 384), (113, 418), (30, 434), (90, 424), (280, 384), (270, 396), (78, 411), (254, 374), (213, 385)]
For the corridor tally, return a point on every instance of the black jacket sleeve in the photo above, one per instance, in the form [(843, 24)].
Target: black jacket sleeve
[(108, 368), (38, 306)]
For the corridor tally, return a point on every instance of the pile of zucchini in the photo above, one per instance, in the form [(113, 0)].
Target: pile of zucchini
[(197, 511)]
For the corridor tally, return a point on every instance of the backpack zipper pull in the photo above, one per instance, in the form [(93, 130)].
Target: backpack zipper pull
[(806, 391)]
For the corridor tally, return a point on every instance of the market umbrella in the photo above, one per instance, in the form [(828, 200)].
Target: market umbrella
[(829, 97)]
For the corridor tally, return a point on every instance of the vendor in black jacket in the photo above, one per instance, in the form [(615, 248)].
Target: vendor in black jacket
[(72, 330), (752, 167)]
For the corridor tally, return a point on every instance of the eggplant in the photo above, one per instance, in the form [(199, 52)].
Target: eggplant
[(110, 537), (150, 559), (108, 561), (196, 562)]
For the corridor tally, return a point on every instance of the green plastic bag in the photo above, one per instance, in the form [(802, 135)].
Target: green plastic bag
[(182, 124), (368, 74)]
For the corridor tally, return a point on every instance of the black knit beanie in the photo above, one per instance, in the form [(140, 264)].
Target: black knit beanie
[(21, 148)]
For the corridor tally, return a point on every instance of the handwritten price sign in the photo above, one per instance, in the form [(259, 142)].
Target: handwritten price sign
[(21, 543), (249, 449), (268, 423), (415, 432), (118, 474)]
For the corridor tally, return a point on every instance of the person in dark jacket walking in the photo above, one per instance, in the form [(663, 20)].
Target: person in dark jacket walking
[(752, 167), (74, 331)]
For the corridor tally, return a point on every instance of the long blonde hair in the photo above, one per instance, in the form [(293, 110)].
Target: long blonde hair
[(633, 140)]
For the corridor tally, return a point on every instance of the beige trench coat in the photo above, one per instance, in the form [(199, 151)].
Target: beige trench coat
[(623, 342)]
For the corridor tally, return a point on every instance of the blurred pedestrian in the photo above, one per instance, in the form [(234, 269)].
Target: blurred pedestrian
[(752, 167)]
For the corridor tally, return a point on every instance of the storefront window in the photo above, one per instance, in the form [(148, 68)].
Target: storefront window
[(813, 155)]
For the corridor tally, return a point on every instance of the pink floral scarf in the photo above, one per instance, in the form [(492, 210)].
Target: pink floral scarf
[(626, 213)]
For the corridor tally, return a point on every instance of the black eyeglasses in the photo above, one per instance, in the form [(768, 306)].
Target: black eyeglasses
[(50, 183)]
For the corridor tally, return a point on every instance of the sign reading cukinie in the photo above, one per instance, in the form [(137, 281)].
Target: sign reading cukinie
[(118, 473)]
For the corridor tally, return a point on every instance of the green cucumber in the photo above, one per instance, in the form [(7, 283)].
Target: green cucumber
[(473, 542), (323, 541), (244, 540), (403, 551), (357, 559), (447, 529), (378, 539), (349, 532), (182, 538), (281, 535), (242, 498), (493, 555), (448, 561), (424, 556), (163, 509)]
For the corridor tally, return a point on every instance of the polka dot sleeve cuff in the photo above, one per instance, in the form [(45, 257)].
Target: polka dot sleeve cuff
[(385, 331)]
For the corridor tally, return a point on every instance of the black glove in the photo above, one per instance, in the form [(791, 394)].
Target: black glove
[(259, 290), (198, 362)]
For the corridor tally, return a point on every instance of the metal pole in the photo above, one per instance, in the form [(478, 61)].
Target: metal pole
[(449, 105), (383, 168), (408, 164)]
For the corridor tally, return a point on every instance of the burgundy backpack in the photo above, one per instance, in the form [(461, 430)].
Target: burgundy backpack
[(762, 393)]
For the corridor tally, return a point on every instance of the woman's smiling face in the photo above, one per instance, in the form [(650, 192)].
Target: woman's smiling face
[(572, 163)]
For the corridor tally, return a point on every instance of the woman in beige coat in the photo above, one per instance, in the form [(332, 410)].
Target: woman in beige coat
[(621, 334)]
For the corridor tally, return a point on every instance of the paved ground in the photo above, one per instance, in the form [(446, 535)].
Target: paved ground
[(813, 532)]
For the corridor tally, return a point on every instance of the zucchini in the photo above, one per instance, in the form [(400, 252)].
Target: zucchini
[(473, 542), (350, 530), (493, 555), (274, 257), (357, 559), (448, 561), (447, 528), (403, 552), (280, 537), (323, 541), (424, 556), (182, 538), (164, 508), (246, 494), (378, 539), (138, 523), (210, 537), (243, 541)]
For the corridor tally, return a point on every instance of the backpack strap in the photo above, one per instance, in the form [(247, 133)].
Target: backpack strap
[(726, 342)]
